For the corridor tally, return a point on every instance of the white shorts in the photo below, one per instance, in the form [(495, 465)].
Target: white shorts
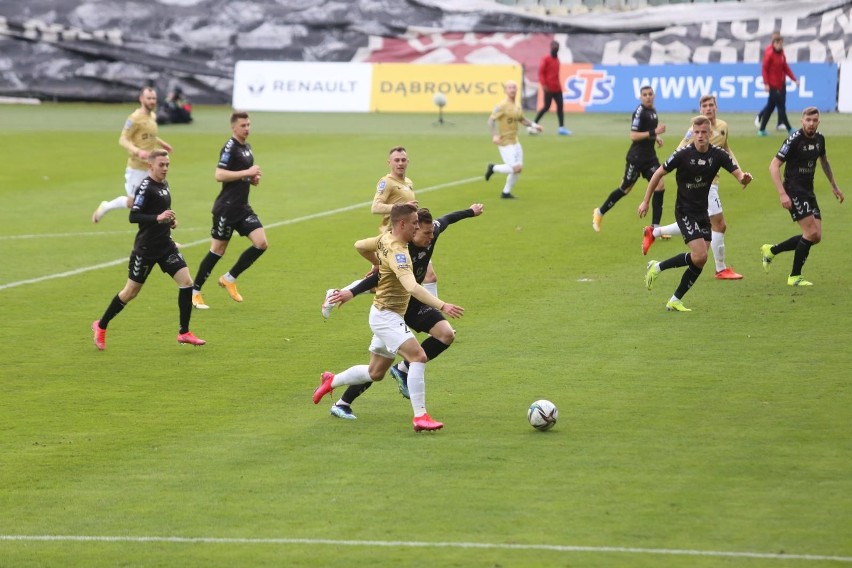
[(389, 332), (714, 205), (512, 154), (133, 179)]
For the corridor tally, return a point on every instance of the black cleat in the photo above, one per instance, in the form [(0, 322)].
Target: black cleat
[(507, 196), (489, 171)]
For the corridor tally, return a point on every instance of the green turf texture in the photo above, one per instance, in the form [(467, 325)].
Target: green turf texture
[(726, 429)]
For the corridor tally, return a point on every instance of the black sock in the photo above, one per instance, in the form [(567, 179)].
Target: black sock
[(433, 347), (690, 275), (246, 259), (613, 198), (354, 391), (789, 244), (675, 262), (802, 251), (656, 207), (115, 306), (185, 307), (205, 269)]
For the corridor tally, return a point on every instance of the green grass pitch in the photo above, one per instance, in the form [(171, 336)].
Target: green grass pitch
[(720, 437)]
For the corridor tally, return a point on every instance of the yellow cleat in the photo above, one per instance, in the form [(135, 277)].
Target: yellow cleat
[(766, 252), (231, 287), (597, 217), (651, 273), (798, 281), (198, 302), (676, 306)]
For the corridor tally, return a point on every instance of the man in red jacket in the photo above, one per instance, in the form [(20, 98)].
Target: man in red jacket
[(775, 72), (548, 77)]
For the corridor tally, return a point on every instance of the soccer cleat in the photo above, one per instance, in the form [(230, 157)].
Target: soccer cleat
[(231, 287), (676, 306), (597, 217), (100, 335), (324, 388), (326, 305), (651, 274), (489, 171), (343, 411), (100, 211), (766, 251), (762, 133), (798, 281), (757, 120), (198, 302), (425, 422), (728, 274), (189, 338), (782, 127), (507, 196), (564, 131), (401, 381), (647, 239)]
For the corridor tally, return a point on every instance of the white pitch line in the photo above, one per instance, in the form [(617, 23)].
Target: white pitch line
[(420, 544), (310, 217)]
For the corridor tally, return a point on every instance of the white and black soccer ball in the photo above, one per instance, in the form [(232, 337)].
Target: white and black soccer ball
[(542, 415)]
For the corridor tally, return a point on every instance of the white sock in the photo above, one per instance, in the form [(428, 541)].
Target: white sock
[(670, 230), (117, 203), (350, 286), (432, 288), (503, 169), (674, 298), (717, 245), (402, 366), (357, 375), (229, 278), (417, 387), (511, 180)]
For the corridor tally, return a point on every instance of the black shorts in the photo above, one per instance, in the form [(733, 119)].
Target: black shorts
[(804, 205), (632, 171), (139, 267), (222, 229), (693, 225), (420, 317)]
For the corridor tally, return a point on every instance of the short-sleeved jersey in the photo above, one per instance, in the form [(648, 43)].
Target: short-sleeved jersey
[(395, 262), (718, 137), (390, 190), (233, 198), (152, 198), (141, 129), (695, 174), (507, 115), (644, 120), (800, 155), (421, 256)]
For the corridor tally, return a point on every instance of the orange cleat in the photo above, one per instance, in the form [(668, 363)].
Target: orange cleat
[(231, 287), (324, 388), (425, 422), (647, 239), (189, 338), (728, 274), (100, 335)]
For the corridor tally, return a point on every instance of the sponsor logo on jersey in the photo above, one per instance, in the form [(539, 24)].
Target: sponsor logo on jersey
[(400, 259), (381, 187)]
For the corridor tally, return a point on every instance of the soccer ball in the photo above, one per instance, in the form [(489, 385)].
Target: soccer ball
[(532, 131), (542, 415), (439, 99)]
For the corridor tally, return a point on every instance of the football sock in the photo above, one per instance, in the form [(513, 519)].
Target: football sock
[(432, 288), (357, 375), (417, 387), (246, 259), (690, 275), (353, 392), (351, 285), (511, 180), (117, 203), (115, 306), (717, 245), (503, 169), (803, 249), (185, 307), (402, 366), (789, 244), (656, 207), (613, 198), (670, 230), (433, 347), (205, 269), (675, 262)]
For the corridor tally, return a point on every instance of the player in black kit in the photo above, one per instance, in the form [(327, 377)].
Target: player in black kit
[(641, 158), (237, 172), (800, 153), (152, 210), (418, 316), (697, 165)]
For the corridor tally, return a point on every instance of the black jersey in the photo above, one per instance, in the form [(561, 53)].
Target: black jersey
[(420, 256), (151, 199), (800, 155), (234, 157), (695, 173), (644, 120)]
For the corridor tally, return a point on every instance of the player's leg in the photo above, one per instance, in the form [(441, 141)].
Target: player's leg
[(560, 115), (251, 227), (220, 236), (548, 98), (811, 235), (513, 155), (631, 174), (423, 319), (782, 109), (132, 179), (767, 111), (657, 197), (695, 261), (138, 271), (174, 265)]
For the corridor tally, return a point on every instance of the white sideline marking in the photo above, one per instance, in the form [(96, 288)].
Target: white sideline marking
[(416, 544), (201, 241)]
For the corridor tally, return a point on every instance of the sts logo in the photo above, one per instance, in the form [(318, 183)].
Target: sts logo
[(588, 87)]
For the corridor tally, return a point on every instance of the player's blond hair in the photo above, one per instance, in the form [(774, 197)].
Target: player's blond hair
[(810, 111), (700, 120)]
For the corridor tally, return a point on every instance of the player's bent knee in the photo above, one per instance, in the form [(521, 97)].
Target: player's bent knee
[(518, 168)]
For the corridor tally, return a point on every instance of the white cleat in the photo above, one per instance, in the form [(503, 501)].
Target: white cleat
[(326, 305)]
